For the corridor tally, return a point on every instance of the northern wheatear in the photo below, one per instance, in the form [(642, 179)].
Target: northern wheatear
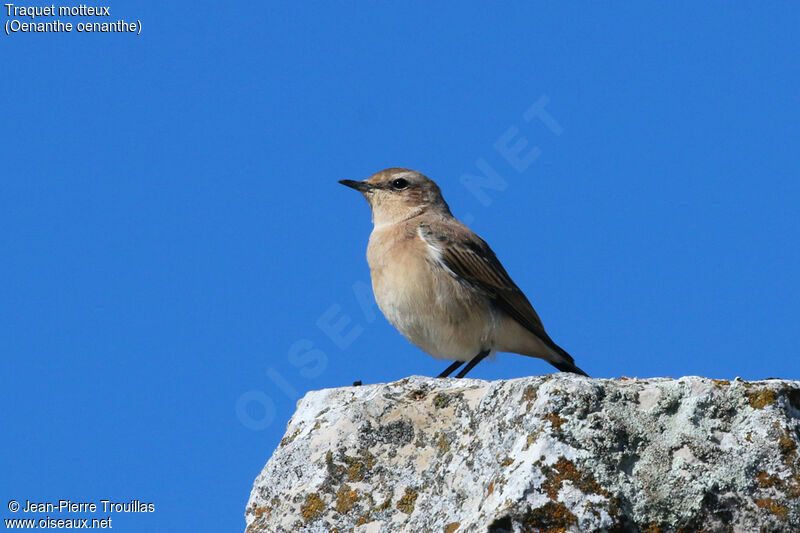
[(440, 284)]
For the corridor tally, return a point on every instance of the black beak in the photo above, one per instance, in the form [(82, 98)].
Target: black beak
[(361, 186)]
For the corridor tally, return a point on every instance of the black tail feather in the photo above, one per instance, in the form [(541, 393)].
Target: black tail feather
[(568, 367), (568, 363)]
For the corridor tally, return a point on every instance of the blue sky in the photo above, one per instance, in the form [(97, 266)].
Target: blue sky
[(179, 264)]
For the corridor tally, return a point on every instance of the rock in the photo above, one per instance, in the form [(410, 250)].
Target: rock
[(557, 453)]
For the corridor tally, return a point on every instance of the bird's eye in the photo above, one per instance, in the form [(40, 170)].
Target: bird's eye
[(399, 184)]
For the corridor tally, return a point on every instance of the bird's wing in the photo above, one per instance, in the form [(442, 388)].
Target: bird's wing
[(470, 260)]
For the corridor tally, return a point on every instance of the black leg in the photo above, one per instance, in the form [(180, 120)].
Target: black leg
[(450, 369), (475, 360)]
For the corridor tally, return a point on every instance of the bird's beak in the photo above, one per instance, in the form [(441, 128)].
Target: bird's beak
[(361, 186)]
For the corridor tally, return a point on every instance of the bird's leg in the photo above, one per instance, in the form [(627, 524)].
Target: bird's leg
[(475, 360), (450, 369)]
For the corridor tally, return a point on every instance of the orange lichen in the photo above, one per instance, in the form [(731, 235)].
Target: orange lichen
[(312, 507), (552, 517), (774, 507), (259, 511), (790, 487), (555, 420), (762, 398), (565, 470), (530, 394), (793, 491), (289, 438), (345, 499), (787, 447), (357, 467), (408, 501), (766, 481)]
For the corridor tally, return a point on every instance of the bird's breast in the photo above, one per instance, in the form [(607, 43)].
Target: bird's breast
[(401, 273), (423, 301)]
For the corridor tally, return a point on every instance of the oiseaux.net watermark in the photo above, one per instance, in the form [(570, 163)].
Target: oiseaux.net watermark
[(69, 514), (255, 409)]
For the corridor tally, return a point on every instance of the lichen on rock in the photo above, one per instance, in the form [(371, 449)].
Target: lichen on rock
[(557, 453)]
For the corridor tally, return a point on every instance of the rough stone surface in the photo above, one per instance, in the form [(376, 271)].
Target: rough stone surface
[(557, 453)]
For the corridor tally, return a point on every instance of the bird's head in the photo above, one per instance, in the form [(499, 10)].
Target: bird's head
[(397, 194)]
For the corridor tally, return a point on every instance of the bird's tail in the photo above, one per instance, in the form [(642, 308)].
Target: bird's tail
[(564, 361), (568, 367)]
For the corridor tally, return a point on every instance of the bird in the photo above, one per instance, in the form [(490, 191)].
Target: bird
[(439, 284)]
